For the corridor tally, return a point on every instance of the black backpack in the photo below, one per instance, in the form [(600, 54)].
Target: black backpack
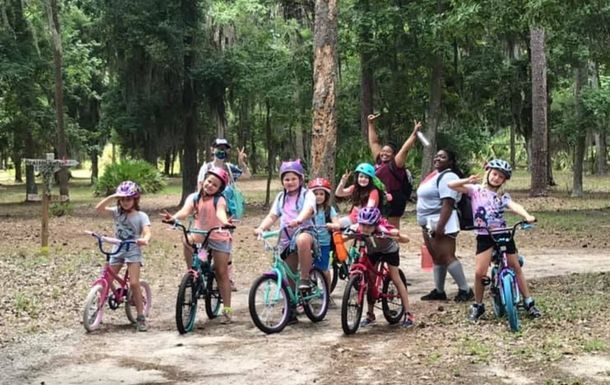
[(463, 207)]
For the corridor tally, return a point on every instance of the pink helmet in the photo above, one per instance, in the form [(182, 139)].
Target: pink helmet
[(128, 189), (319, 184), (221, 174), (294, 166)]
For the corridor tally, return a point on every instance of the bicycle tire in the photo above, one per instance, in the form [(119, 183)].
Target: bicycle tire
[(352, 299), (315, 308), (334, 276), (508, 287), (130, 307), (392, 315), (186, 303), (213, 299), (268, 286), (93, 310)]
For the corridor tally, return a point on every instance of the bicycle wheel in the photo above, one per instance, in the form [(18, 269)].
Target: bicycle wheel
[(94, 308), (316, 301), (186, 303), (352, 304), (508, 287), (390, 301), (130, 306), (212, 297), (334, 275), (268, 304)]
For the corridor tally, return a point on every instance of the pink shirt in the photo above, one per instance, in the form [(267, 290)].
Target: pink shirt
[(206, 218)]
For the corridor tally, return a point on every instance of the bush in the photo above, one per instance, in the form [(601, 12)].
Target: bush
[(60, 209), (143, 173)]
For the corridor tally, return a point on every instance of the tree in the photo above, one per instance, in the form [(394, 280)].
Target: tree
[(539, 144)]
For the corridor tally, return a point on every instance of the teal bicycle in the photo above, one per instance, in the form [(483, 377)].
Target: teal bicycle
[(273, 296)]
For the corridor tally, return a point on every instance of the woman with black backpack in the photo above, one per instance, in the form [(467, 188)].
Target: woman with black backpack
[(390, 169)]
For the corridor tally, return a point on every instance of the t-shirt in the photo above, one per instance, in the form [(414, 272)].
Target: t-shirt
[(206, 216), (289, 212), (385, 245), (234, 171), (429, 199), (373, 201), (129, 226), (389, 173), (320, 220), (487, 207)]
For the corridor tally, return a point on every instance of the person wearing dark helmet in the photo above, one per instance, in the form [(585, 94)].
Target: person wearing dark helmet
[(489, 202), (129, 224)]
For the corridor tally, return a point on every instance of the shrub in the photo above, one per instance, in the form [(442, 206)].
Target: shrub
[(143, 173), (60, 209)]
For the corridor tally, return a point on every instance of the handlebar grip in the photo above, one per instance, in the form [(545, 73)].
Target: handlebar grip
[(270, 234)]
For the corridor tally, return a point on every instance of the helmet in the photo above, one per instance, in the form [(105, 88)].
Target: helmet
[(500, 165), (221, 142), (369, 216), (366, 169), (319, 184), (221, 174), (294, 166), (128, 189)]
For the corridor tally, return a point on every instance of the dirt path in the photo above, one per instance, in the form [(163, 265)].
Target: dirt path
[(240, 353)]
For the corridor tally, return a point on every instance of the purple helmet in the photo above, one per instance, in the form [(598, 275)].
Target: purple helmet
[(294, 166), (369, 216), (128, 189)]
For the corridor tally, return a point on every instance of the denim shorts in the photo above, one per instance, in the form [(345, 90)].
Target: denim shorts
[(323, 260), (120, 259), (221, 246)]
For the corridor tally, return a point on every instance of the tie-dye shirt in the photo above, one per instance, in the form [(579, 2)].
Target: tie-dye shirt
[(487, 207)]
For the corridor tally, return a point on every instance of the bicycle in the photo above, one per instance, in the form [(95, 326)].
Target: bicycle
[(274, 292), (504, 288), (357, 289), (93, 310), (199, 281), (340, 270)]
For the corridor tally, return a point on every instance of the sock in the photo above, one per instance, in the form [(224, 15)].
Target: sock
[(439, 272), (528, 301), (457, 272)]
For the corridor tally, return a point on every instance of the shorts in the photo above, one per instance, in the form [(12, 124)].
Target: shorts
[(484, 242), (396, 207), (323, 260), (120, 259), (292, 246), (392, 259), (221, 246)]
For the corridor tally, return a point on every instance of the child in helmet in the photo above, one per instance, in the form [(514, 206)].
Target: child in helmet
[(367, 191), (489, 201), (326, 215), (210, 207), (129, 224), (383, 249)]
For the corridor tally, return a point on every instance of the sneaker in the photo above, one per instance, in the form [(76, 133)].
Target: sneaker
[(141, 323), (227, 316), (305, 285), (464, 296), (369, 320), (435, 295), (532, 310), (408, 322), (476, 311), (292, 318)]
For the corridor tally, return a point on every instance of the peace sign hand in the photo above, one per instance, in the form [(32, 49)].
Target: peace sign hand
[(372, 117), (241, 155)]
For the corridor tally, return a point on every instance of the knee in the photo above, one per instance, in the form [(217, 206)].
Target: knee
[(134, 283)]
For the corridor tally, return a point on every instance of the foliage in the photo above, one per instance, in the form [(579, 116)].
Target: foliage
[(143, 173)]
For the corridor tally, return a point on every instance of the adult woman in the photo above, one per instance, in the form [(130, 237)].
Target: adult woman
[(440, 225), (390, 168)]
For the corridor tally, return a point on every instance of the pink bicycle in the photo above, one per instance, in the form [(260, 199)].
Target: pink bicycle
[(103, 290)]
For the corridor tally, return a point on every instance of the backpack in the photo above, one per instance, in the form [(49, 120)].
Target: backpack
[(233, 196), (406, 181), (463, 206)]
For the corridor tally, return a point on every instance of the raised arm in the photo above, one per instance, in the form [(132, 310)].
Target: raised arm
[(372, 134), (102, 206), (341, 191), (401, 155), (242, 160), (460, 185)]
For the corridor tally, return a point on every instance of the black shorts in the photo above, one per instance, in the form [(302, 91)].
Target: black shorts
[(392, 259), (485, 242), (396, 207)]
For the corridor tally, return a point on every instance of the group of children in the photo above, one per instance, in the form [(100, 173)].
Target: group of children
[(300, 206)]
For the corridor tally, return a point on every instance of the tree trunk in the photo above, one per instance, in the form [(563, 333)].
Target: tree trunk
[(581, 132), (539, 145), (434, 113), (324, 130), (366, 70), (94, 166), (54, 26), (270, 152), (601, 157)]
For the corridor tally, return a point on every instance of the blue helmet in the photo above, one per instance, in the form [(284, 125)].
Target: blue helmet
[(500, 165), (366, 169), (369, 216)]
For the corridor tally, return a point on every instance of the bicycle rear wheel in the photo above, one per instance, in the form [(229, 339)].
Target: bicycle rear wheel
[(130, 306), (268, 304), (391, 302), (316, 301), (352, 304), (508, 287), (213, 299), (94, 308), (186, 303)]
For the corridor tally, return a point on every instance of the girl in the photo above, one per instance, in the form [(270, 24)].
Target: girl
[(326, 215), (383, 249), (488, 204), (368, 191), (210, 208), (129, 224)]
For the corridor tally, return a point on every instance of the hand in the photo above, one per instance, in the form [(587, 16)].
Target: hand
[(295, 223), (530, 219), (242, 157), (388, 197), (258, 231), (142, 242), (416, 126), (474, 179), (372, 117), (166, 215), (345, 177)]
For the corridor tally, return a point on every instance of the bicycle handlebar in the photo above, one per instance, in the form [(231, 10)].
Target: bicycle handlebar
[(101, 239), (206, 233), (525, 225)]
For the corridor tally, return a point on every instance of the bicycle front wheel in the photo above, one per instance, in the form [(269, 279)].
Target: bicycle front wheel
[(268, 304), (508, 287), (316, 301), (334, 275), (94, 308), (213, 299), (352, 304), (391, 303), (186, 303), (130, 305)]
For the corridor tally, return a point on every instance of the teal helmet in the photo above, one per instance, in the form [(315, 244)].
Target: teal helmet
[(366, 169)]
